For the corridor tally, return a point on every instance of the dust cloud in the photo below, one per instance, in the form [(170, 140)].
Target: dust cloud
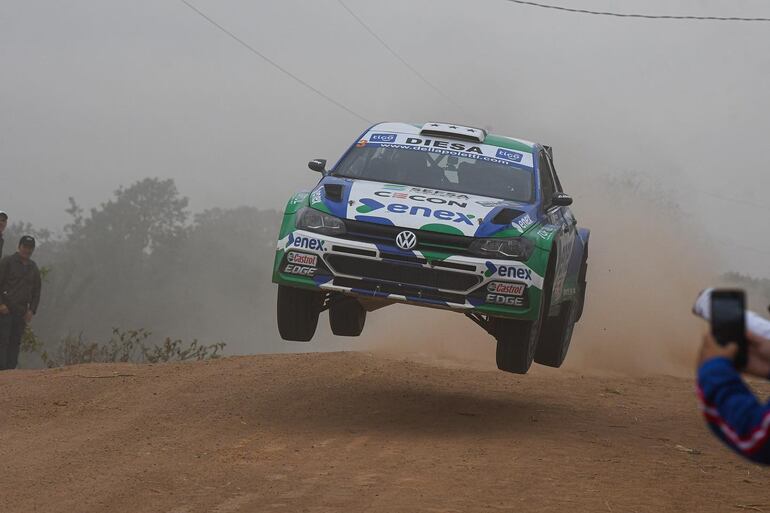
[(96, 96), (646, 266)]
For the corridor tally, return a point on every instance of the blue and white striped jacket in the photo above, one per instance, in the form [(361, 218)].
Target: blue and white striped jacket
[(732, 411)]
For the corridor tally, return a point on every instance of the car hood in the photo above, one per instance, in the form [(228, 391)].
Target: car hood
[(421, 209)]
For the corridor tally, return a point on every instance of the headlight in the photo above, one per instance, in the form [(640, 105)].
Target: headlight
[(515, 249), (314, 220)]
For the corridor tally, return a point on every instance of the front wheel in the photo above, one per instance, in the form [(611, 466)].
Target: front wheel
[(517, 341), (516, 344), (298, 311)]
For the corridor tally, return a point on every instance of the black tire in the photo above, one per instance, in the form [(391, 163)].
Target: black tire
[(582, 285), (516, 344), (298, 311), (517, 341), (555, 336), (347, 317)]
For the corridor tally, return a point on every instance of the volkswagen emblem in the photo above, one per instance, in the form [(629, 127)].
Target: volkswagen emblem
[(406, 240)]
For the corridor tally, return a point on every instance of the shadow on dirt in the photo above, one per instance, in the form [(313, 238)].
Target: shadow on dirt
[(416, 408)]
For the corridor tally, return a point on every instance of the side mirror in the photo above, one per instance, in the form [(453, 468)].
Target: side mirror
[(318, 165), (561, 200)]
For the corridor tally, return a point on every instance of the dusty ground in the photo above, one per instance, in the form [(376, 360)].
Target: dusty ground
[(356, 432)]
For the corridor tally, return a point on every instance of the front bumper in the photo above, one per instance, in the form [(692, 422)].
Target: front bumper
[(503, 288)]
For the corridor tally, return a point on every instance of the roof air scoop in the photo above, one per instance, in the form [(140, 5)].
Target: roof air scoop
[(506, 216), (333, 192), (450, 131)]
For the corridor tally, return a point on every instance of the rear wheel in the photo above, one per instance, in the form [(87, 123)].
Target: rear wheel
[(556, 336), (582, 284), (298, 311), (347, 317)]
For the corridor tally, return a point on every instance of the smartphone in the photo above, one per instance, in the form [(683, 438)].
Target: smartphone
[(728, 321)]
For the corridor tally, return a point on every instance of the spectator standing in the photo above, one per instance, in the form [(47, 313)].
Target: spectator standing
[(3, 224), (20, 285)]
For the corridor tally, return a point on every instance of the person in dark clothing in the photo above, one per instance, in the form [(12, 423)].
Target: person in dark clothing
[(19, 298), (3, 224)]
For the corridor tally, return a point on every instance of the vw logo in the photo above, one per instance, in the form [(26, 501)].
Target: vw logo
[(406, 240)]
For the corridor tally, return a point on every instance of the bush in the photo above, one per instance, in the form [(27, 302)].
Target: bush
[(175, 350), (123, 346)]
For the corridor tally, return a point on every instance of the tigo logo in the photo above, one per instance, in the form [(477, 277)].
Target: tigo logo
[(386, 138), (513, 156)]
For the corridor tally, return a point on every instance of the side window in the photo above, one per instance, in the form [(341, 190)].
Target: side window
[(546, 180), (359, 160)]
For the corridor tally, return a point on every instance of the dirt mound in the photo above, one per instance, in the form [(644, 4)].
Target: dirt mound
[(356, 432)]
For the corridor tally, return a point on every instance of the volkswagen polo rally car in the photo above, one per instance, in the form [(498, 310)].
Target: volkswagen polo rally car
[(442, 216)]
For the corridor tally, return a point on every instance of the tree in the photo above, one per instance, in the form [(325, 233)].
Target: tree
[(138, 261), (111, 258)]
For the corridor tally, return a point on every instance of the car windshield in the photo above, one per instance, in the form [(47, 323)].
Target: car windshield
[(434, 170)]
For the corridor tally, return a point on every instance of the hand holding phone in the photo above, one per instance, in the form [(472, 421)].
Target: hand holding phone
[(728, 321)]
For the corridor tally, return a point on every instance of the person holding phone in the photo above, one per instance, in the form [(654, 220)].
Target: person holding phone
[(738, 342)]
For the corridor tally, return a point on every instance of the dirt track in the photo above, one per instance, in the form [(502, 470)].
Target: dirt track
[(356, 432)]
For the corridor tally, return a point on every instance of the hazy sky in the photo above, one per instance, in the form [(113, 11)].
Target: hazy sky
[(97, 93)]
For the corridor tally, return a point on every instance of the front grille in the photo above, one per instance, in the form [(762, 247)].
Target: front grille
[(402, 274), (426, 240), (455, 265), (354, 251), (408, 291)]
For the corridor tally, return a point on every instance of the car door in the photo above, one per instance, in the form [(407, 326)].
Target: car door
[(571, 285), (562, 218)]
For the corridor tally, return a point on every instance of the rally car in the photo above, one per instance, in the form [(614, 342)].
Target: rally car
[(443, 216)]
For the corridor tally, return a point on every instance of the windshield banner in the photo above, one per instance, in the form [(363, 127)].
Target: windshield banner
[(467, 149)]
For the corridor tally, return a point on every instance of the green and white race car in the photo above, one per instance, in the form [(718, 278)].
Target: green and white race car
[(443, 216)]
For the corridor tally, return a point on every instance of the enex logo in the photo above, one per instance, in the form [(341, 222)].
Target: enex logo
[(506, 271), (306, 242), (370, 205)]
